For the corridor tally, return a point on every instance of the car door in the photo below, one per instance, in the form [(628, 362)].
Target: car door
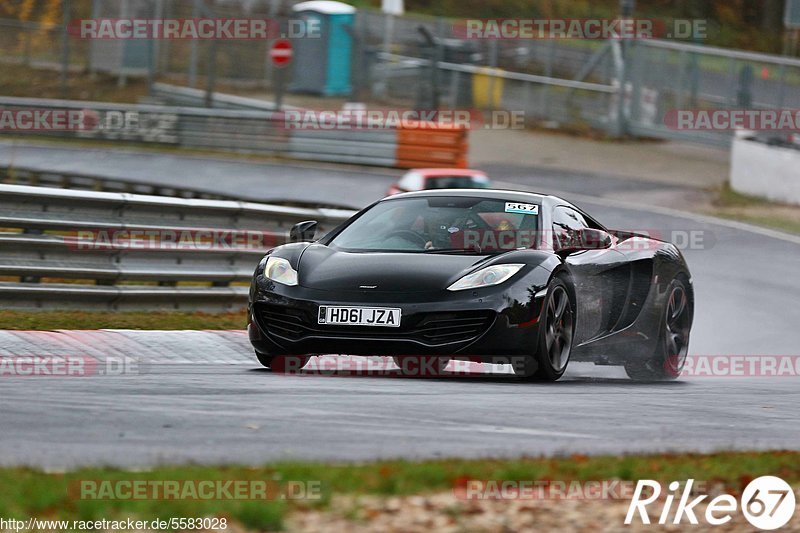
[(600, 275)]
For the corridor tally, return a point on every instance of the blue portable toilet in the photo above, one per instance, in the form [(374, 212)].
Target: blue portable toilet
[(323, 65)]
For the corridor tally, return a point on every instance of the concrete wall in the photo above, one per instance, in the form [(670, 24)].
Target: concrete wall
[(770, 172)]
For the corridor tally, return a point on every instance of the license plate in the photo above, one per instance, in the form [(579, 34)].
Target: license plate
[(360, 316)]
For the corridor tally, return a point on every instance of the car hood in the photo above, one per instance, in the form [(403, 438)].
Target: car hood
[(326, 269)]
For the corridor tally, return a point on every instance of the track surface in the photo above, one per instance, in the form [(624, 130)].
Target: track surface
[(747, 293), (238, 414)]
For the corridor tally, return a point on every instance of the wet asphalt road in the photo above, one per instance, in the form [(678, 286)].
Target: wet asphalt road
[(747, 291), (241, 414)]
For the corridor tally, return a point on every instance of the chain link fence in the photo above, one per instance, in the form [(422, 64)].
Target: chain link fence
[(664, 76), (620, 87)]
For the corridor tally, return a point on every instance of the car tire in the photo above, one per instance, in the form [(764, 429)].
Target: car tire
[(265, 360), (421, 366), (283, 363), (673, 341), (556, 334)]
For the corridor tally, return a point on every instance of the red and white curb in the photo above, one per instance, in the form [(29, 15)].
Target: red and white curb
[(168, 347)]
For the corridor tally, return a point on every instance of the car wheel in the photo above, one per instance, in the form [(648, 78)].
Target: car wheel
[(265, 360), (556, 333), (673, 343), (421, 366), (283, 363)]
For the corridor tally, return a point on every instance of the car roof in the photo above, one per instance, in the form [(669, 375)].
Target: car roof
[(493, 194), (439, 172)]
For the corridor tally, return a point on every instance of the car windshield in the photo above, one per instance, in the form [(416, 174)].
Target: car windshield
[(442, 225), (457, 182)]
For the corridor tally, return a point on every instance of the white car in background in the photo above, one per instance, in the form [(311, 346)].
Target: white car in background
[(440, 178)]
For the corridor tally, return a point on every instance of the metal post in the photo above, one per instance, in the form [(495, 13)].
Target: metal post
[(66, 10), (153, 49), (622, 67), (211, 75), (92, 49), (280, 77), (544, 91), (694, 79), (151, 66), (124, 12), (196, 9), (732, 82), (280, 87), (28, 41), (683, 60), (627, 8), (436, 57), (388, 35), (492, 77), (269, 70), (782, 87)]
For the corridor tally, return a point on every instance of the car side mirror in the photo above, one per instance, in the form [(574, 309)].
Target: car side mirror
[(587, 239), (303, 231), (595, 239)]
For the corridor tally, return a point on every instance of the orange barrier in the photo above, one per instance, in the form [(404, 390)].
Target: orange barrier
[(432, 146)]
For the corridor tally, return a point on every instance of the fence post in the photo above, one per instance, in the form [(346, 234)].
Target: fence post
[(619, 126), (733, 82), (196, 8), (634, 55), (544, 105), (65, 7), (28, 42), (211, 75)]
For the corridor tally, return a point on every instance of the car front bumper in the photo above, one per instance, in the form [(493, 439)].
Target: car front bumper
[(494, 321)]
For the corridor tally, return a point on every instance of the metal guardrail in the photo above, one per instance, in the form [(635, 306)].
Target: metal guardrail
[(129, 251), (89, 182), (65, 179), (235, 130), (188, 96), (416, 62)]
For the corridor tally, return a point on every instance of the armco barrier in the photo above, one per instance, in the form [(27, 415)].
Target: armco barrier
[(253, 131), (132, 273), (64, 179)]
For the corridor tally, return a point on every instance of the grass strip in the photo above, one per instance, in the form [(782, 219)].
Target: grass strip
[(146, 320), (30, 492)]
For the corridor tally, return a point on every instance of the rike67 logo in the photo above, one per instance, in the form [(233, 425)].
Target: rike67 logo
[(768, 503)]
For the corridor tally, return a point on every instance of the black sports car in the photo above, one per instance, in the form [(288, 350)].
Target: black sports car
[(495, 276)]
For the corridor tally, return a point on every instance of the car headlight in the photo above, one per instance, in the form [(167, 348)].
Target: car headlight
[(279, 269), (486, 277)]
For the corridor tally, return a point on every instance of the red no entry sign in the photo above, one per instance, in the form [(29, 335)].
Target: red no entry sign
[(281, 53)]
